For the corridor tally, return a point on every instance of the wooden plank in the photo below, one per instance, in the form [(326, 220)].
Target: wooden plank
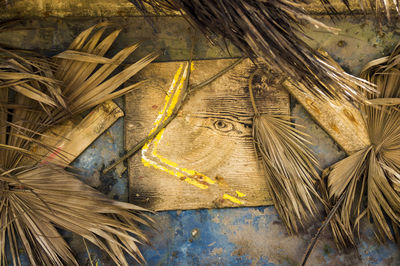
[(72, 137), (205, 157), (69, 8), (340, 119), (106, 8)]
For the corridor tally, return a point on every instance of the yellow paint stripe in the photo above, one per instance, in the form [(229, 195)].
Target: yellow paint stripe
[(167, 99), (169, 106), (196, 183), (148, 163), (240, 194), (176, 94), (233, 199)]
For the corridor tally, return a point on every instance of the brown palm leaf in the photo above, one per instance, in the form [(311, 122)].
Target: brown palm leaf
[(289, 166), (36, 93), (370, 178), (74, 80), (22, 118), (375, 7), (270, 33), (84, 71), (48, 91), (31, 75), (37, 201), (289, 169)]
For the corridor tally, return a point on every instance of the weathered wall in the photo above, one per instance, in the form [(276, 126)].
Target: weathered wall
[(244, 236), (112, 8), (357, 42)]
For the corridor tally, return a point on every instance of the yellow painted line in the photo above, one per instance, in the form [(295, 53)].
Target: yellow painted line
[(171, 100), (167, 99), (240, 194), (168, 108), (166, 161), (233, 199)]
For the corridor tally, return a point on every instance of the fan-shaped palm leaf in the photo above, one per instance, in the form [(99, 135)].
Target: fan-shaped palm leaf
[(289, 166), (36, 93), (370, 178), (74, 80), (36, 201)]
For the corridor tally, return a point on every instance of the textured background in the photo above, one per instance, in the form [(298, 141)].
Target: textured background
[(246, 236)]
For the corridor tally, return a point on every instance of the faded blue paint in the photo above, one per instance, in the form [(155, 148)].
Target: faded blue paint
[(234, 236)]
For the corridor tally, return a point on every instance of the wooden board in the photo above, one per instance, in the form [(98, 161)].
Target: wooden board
[(73, 136), (340, 119), (106, 8), (205, 157)]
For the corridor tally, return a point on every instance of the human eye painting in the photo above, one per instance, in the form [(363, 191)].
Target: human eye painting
[(205, 157)]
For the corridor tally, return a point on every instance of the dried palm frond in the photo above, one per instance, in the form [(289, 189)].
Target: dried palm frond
[(289, 166), (36, 93), (370, 178), (36, 201), (25, 96), (85, 82), (74, 80), (48, 91), (375, 7), (269, 32)]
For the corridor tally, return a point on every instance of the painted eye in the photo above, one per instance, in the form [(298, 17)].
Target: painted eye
[(223, 126)]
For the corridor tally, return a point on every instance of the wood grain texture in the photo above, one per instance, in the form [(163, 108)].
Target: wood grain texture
[(211, 135), (340, 119), (73, 136)]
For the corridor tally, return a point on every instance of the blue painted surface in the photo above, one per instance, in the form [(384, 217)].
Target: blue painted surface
[(235, 236)]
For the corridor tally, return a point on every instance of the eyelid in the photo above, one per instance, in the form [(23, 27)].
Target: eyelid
[(223, 125)]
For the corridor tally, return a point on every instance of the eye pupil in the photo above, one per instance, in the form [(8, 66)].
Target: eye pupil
[(223, 126)]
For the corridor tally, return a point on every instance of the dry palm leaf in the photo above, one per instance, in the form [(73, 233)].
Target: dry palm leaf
[(376, 7), (22, 110), (36, 201), (85, 82), (37, 92), (74, 80), (289, 166), (369, 180), (270, 32)]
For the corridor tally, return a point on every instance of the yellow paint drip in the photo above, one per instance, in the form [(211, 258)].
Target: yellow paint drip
[(240, 194), (233, 199)]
